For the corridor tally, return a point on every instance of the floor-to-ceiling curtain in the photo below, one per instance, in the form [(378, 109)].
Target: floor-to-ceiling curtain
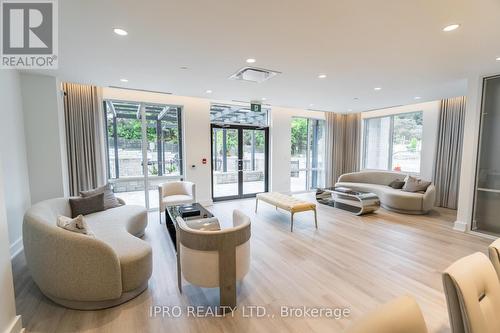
[(84, 137), (449, 151), (343, 138)]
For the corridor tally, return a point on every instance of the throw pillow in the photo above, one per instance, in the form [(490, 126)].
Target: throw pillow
[(110, 201), (397, 184), (77, 225), (413, 184), (88, 205)]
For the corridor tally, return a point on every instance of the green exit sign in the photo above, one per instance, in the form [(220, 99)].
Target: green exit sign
[(256, 107)]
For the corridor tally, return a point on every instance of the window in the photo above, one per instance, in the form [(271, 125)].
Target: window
[(393, 142), (308, 154), (144, 144)]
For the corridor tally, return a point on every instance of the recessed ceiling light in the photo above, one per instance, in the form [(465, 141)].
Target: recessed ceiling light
[(451, 27), (208, 91), (322, 76), (498, 58), (356, 99), (377, 88), (183, 67), (417, 97), (124, 80), (120, 32), (263, 98), (251, 60)]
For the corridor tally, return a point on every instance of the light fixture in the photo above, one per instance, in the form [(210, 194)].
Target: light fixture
[(251, 61), (208, 91), (321, 76), (120, 32), (417, 97), (451, 27), (498, 59), (183, 67), (124, 80), (377, 88)]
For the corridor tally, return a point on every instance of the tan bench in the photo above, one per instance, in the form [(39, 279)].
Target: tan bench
[(288, 203)]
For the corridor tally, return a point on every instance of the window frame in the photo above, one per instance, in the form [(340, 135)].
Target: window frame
[(391, 141), (309, 169), (180, 125)]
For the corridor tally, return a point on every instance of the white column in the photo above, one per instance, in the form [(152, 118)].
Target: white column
[(469, 154)]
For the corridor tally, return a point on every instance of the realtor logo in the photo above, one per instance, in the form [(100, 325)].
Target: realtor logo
[(29, 34)]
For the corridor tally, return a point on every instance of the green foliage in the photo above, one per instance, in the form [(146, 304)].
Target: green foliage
[(299, 135), (130, 129)]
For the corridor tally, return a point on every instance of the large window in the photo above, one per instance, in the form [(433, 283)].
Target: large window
[(144, 148), (393, 142), (308, 154)]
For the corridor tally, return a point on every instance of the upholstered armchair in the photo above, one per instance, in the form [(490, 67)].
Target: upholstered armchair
[(494, 253), (175, 193), (211, 259), (401, 315), (472, 292)]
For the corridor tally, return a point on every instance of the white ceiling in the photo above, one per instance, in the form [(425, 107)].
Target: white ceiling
[(398, 45)]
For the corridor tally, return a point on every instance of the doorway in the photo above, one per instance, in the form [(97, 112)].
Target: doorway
[(240, 161)]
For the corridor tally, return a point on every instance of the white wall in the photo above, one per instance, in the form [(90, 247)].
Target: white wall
[(280, 152), (45, 142), (429, 131), (14, 164), (9, 322), (196, 114)]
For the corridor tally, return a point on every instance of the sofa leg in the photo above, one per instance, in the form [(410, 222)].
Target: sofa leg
[(315, 219), (291, 220)]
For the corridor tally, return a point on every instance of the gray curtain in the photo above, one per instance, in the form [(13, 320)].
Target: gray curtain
[(449, 151), (84, 137), (343, 139)]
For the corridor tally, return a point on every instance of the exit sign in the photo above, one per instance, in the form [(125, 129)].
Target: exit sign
[(256, 107)]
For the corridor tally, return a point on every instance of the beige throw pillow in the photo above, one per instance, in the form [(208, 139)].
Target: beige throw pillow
[(110, 201), (413, 184), (77, 225)]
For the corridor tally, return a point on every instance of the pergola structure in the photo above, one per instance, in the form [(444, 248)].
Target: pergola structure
[(164, 117)]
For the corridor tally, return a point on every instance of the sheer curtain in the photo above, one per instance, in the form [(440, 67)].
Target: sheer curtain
[(84, 137), (343, 139), (449, 151)]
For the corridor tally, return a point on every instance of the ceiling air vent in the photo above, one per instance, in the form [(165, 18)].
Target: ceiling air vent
[(254, 74)]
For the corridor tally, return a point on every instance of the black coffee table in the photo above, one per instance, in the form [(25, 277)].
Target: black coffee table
[(172, 212)]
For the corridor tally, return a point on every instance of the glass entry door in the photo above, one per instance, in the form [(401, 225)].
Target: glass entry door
[(239, 161)]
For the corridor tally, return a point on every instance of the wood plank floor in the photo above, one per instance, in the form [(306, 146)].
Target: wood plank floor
[(350, 261)]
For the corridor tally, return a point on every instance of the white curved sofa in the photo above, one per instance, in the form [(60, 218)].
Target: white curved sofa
[(82, 272), (391, 199)]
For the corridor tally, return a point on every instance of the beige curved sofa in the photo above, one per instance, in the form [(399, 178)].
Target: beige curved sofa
[(82, 272), (392, 199)]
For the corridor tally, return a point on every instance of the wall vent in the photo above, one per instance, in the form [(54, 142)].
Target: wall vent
[(254, 74)]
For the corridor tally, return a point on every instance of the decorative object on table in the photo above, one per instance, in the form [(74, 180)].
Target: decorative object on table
[(189, 210)]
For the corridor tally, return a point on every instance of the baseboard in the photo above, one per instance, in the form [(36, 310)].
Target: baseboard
[(460, 226), (16, 326), (16, 248)]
